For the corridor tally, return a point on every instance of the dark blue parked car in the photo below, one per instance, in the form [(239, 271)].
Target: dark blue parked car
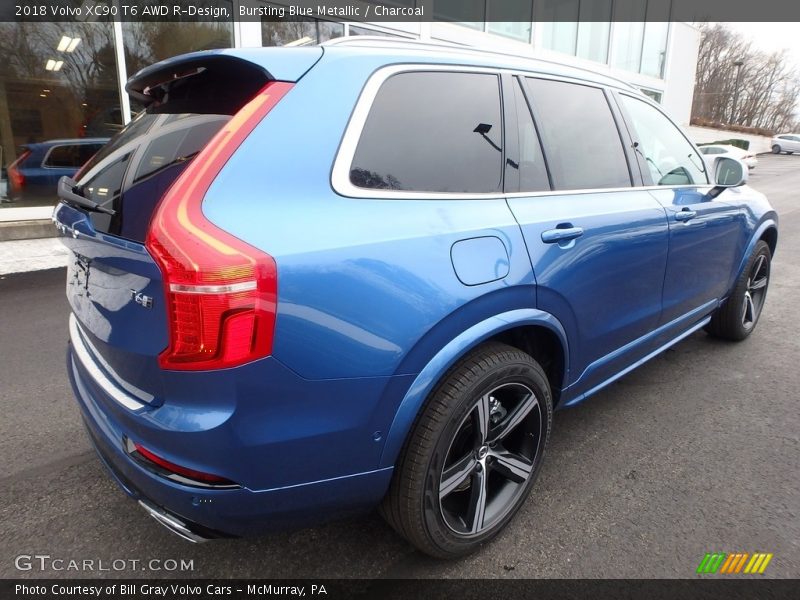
[(35, 173), (308, 281)]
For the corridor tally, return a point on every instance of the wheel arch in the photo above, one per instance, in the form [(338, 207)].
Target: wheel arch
[(531, 330), (767, 231), (770, 235)]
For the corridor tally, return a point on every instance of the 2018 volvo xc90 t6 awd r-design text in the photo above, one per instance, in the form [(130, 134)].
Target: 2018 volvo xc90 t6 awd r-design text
[(310, 281)]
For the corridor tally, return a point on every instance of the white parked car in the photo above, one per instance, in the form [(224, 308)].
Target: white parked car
[(713, 151), (786, 142)]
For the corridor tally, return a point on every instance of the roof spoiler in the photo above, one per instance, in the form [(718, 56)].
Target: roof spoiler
[(227, 66)]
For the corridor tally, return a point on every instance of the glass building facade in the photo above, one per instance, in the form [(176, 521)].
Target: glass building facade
[(65, 81)]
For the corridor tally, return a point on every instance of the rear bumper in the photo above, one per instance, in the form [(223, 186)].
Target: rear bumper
[(202, 513)]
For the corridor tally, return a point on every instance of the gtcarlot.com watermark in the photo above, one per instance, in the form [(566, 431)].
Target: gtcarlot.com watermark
[(46, 562)]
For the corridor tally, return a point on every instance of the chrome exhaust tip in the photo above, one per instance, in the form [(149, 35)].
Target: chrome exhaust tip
[(172, 523)]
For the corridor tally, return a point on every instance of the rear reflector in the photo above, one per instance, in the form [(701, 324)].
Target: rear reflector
[(197, 476), (221, 292)]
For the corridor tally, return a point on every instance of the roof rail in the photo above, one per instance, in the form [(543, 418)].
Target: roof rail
[(375, 41), (380, 40)]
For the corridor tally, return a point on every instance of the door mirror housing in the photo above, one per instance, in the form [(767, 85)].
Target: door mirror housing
[(728, 173)]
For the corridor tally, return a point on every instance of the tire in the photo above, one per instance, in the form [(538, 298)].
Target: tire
[(738, 316), (776, 149), (507, 391)]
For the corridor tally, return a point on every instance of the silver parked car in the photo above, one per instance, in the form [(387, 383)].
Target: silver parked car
[(786, 142), (713, 151)]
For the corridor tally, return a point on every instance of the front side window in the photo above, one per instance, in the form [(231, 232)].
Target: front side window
[(670, 158), (580, 136), (432, 132)]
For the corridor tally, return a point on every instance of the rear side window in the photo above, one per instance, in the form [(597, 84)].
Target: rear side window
[(670, 158), (70, 157), (432, 132), (580, 136)]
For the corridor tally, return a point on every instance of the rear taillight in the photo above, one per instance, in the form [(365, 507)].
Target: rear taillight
[(16, 178), (221, 292)]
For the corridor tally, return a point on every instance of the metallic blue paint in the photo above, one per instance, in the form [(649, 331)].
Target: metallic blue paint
[(424, 382), (479, 260), (656, 334), (377, 299), (605, 286)]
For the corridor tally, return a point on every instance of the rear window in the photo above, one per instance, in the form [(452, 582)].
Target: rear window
[(135, 168), (432, 132)]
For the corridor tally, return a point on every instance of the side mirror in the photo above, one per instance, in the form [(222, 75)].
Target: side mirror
[(728, 172)]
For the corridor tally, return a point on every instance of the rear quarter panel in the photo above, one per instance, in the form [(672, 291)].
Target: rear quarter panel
[(361, 282)]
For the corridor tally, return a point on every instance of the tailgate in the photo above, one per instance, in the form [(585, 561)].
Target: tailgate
[(114, 290), (121, 320)]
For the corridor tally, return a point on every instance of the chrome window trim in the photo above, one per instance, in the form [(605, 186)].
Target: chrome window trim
[(340, 173), (81, 352)]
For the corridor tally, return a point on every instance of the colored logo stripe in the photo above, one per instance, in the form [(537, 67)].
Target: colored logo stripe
[(711, 562), (734, 563), (758, 563)]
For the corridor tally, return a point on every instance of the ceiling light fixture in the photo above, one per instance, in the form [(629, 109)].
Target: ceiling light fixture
[(73, 44), (62, 45), (50, 65)]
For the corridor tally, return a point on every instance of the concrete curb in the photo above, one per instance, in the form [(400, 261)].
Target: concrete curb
[(19, 256), (27, 230)]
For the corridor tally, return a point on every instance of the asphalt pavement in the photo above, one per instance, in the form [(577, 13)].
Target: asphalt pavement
[(697, 451)]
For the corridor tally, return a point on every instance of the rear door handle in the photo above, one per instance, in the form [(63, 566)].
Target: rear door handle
[(561, 234), (685, 215)]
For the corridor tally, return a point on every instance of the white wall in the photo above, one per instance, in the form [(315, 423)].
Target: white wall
[(682, 49)]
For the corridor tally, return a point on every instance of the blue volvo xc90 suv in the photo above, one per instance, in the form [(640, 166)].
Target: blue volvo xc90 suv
[(308, 281)]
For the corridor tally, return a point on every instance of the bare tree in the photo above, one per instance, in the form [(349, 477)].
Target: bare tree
[(767, 93)]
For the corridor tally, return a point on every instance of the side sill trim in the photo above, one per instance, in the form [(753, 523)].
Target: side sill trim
[(639, 362)]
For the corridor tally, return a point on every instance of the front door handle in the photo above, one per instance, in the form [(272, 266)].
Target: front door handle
[(685, 215), (561, 234)]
